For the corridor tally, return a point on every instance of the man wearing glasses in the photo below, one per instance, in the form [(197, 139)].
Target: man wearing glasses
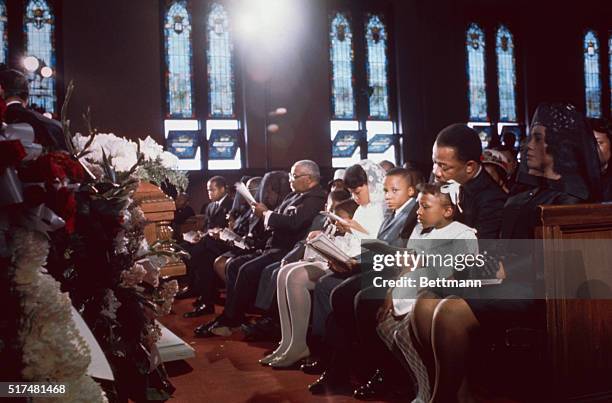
[(289, 223)]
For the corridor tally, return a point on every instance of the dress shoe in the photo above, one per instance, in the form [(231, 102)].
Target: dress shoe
[(315, 367), (289, 360), (375, 389), (200, 310), (203, 331), (265, 329), (330, 382), (184, 293), (197, 301), (267, 360)]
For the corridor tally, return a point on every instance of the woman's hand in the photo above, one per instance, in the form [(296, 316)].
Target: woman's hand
[(501, 273), (313, 234), (343, 228)]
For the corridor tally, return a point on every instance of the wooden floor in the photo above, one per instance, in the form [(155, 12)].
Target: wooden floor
[(225, 370)]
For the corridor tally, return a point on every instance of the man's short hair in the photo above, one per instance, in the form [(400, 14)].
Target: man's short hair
[(219, 181), (463, 140), (15, 84), (411, 176), (311, 168)]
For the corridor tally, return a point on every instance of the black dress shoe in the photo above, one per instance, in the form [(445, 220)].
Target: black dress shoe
[(265, 329), (375, 389), (200, 310), (184, 293), (203, 330), (315, 367), (198, 301), (330, 382)]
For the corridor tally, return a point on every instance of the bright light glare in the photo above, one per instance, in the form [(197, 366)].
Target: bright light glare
[(46, 72), (264, 21), (31, 63)]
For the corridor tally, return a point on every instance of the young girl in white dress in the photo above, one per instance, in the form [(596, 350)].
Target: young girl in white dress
[(437, 233), (365, 182)]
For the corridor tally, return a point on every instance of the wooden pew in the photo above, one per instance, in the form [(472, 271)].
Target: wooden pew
[(159, 211), (578, 331)]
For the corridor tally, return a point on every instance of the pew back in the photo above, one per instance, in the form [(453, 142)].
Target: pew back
[(578, 299)]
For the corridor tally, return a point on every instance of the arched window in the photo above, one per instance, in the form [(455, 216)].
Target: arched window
[(506, 74), (39, 27), (610, 68), (377, 68), (477, 91), (179, 77), (592, 80), (4, 33), (341, 56), (221, 93)]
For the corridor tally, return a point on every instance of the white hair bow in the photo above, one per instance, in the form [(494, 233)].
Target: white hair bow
[(452, 189)]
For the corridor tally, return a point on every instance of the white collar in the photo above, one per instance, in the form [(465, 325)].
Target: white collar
[(221, 200), (403, 206), (14, 101)]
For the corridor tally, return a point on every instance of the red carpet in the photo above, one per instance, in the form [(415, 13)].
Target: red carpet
[(225, 370)]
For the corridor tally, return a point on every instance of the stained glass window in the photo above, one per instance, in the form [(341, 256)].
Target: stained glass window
[(377, 68), (177, 29), (221, 95), (592, 81), (3, 33), (506, 74), (341, 56), (610, 69), (477, 89), (39, 27)]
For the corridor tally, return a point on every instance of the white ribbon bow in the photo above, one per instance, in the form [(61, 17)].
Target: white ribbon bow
[(452, 189)]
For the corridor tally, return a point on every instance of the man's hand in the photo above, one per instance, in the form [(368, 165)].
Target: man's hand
[(259, 209), (386, 308)]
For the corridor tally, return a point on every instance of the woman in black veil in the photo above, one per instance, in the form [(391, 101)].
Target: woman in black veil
[(559, 166)]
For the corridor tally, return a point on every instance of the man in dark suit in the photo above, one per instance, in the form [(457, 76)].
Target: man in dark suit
[(15, 91), (289, 224), (200, 267), (456, 155)]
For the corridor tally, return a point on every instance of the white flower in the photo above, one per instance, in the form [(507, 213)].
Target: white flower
[(122, 152), (169, 160), (150, 148)]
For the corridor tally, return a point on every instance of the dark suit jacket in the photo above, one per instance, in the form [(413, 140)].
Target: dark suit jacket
[(216, 216), (482, 201), (47, 132), (291, 221), (396, 231)]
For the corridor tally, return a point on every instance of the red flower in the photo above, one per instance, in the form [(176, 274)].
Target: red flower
[(11, 153), (53, 166), (63, 203)]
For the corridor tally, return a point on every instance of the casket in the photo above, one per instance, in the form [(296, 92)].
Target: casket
[(159, 210)]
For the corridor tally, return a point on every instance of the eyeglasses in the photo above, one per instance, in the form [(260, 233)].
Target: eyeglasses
[(294, 177)]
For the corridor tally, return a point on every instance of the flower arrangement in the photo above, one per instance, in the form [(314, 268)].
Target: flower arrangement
[(74, 214), (157, 166), (43, 340)]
